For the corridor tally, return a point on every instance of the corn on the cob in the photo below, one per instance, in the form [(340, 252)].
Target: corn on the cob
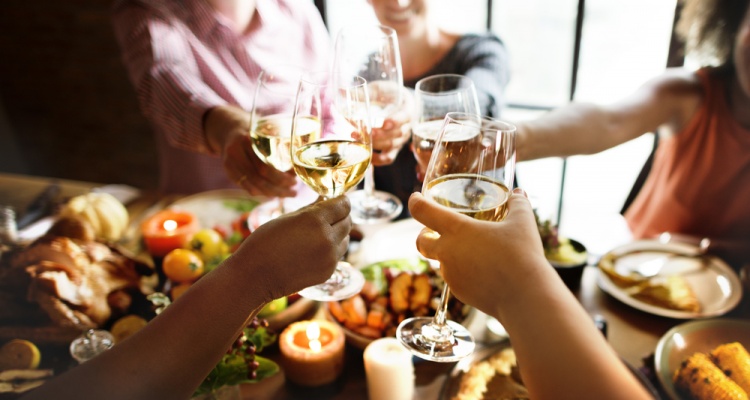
[(734, 360), (702, 379)]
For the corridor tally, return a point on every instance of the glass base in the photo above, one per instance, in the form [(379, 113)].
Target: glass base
[(381, 207), (345, 282), (265, 212), (496, 327), (450, 343)]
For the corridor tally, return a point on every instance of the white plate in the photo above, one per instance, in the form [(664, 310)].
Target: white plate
[(217, 207), (716, 285), (683, 340), (387, 242)]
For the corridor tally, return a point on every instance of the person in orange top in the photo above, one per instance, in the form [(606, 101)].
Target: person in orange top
[(699, 185)]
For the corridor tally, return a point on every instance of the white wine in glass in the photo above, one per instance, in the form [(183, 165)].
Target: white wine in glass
[(434, 97), (471, 172), (335, 161), (371, 51), (271, 130)]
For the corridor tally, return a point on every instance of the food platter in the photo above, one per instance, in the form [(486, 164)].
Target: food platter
[(716, 286), (695, 336)]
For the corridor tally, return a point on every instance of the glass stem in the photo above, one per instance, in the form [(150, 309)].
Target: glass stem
[(442, 309), (369, 201)]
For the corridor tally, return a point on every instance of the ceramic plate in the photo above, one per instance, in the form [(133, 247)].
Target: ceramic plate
[(452, 384), (685, 339), (715, 284)]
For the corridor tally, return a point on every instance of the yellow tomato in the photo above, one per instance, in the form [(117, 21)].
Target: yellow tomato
[(182, 265), (209, 244)]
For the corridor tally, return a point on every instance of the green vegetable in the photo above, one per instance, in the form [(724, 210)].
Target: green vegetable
[(241, 205), (375, 273)]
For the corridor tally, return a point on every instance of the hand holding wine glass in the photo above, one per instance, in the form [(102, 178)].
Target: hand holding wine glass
[(331, 149), (371, 52), (471, 171), (271, 128)]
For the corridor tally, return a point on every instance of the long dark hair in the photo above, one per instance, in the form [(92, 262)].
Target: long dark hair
[(709, 28)]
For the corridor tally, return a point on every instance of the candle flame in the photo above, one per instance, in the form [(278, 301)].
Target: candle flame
[(170, 225), (313, 334)]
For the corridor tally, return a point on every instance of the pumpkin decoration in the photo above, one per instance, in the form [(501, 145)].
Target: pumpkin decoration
[(107, 216)]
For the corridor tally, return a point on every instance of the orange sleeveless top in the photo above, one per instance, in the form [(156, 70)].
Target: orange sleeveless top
[(700, 180)]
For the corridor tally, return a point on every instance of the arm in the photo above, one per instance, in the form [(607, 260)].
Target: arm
[(559, 350), (486, 63), (169, 357), (581, 128), (183, 107)]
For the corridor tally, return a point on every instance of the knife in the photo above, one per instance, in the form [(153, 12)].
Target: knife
[(41, 206)]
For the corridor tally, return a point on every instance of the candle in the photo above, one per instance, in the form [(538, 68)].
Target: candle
[(312, 352), (389, 369), (168, 230)]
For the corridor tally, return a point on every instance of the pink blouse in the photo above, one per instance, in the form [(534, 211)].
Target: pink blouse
[(700, 181), (184, 58)]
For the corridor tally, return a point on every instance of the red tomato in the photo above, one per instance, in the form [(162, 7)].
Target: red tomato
[(241, 225)]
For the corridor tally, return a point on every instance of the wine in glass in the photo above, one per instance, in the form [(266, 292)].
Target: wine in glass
[(434, 97), (335, 161), (471, 172), (271, 129), (371, 51)]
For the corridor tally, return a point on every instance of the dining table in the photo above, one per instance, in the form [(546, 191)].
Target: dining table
[(632, 333)]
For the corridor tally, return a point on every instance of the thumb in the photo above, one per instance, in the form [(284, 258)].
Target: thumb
[(519, 206), (432, 215)]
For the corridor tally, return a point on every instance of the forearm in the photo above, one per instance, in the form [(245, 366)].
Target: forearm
[(221, 123), (574, 129), (557, 344), (169, 357)]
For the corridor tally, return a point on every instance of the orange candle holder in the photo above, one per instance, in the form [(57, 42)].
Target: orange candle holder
[(168, 230), (312, 352)]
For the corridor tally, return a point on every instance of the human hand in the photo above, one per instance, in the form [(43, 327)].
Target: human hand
[(483, 262), (388, 139), (251, 173), (298, 249)]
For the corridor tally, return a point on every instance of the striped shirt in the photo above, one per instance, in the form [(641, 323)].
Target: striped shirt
[(184, 58)]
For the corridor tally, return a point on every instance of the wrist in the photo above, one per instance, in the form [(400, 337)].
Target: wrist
[(221, 123)]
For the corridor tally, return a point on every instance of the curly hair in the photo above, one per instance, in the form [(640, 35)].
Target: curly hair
[(709, 28)]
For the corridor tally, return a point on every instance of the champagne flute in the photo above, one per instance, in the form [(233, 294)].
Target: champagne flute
[(330, 151), (434, 97), (471, 172), (371, 51), (271, 128)]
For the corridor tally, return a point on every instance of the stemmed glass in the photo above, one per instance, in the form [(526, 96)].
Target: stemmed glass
[(471, 172), (330, 151), (371, 51), (271, 128), (434, 97)]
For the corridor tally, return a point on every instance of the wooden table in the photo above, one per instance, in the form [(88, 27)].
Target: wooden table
[(632, 333)]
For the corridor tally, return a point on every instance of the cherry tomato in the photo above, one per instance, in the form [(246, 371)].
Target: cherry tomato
[(182, 265), (208, 244), (241, 225)]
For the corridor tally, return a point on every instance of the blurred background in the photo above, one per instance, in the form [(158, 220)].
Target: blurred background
[(67, 109)]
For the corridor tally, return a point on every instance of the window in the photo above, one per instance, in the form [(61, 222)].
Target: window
[(623, 43)]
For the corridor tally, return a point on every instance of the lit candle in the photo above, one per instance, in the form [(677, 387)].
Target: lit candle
[(168, 230), (389, 369), (312, 352)]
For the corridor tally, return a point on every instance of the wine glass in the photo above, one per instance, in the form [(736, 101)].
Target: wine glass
[(271, 128), (330, 151), (434, 97), (471, 172), (371, 51)]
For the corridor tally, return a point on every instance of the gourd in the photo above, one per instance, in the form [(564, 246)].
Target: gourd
[(107, 216)]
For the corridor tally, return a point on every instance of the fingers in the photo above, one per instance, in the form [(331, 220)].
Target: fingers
[(335, 210), (432, 215), (428, 243)]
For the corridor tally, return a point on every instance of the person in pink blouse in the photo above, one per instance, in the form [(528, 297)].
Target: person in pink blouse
[(194, 64)]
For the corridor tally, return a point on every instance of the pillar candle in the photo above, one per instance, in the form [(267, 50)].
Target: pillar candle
[(389, 369), (168, 230), (312, 352)]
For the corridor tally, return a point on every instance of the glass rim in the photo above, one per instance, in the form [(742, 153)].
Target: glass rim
[(458, 117), (458, 78)]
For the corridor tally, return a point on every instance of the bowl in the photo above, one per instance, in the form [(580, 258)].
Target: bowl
[(571, 272), (375, 295)]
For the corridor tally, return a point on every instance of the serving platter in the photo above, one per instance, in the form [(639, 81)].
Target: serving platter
[(716, 286), (702, 336)]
